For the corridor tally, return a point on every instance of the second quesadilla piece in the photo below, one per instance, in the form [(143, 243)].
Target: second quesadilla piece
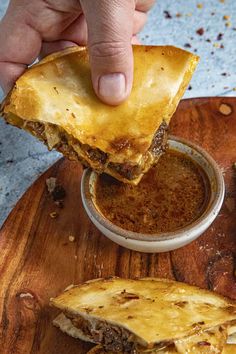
[(124, 315)]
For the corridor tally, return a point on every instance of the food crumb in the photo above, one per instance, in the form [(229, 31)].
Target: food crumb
[(58, 193), (200, 31), (234, 166), (228, 24), (51, 184), (225, 109), (71, 238), (199, 5), (178, 14), (226, 17), (220, 36), (167, 14), (53, 214)]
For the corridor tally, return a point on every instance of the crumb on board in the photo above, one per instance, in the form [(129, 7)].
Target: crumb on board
[(56, 190), (58, 193), (53, 215), (51, 184), (71, 238), (226, 17), (225, 109)]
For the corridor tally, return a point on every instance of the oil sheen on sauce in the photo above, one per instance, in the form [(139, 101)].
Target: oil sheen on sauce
[(170, 196)]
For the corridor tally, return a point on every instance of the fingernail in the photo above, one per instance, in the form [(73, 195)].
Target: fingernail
[(112, 87)]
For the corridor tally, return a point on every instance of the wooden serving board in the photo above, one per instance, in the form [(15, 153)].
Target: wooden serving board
[(37, 259)]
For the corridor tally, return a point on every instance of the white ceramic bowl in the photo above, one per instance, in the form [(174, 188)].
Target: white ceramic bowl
[(166, 241)]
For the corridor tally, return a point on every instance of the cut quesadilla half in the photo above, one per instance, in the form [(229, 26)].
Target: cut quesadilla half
[(147, 316), (54, 100), (228, 349)]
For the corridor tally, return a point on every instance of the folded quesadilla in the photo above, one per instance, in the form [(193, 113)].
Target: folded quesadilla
[(147, 316), (228, 349), (54, 100)]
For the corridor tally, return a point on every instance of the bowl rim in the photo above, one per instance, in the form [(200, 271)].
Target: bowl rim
[(186, 231)]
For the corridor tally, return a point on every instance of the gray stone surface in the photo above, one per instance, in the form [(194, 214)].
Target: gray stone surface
[(23, 158)]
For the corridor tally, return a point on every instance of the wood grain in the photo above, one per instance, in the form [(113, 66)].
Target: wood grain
[(37, 260)]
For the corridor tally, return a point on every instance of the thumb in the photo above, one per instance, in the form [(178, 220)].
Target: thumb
[(110, 24)]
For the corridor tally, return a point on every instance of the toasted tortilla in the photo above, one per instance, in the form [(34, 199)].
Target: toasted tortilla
[(54, 100), (151, 312), (66, 326), (212, 341), (228, 349)]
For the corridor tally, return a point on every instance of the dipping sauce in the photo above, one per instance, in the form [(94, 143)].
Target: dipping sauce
[(170, 196)]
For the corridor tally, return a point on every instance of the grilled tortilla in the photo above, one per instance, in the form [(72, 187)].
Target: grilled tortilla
[(147, 316), (228, 349), (54, 100)]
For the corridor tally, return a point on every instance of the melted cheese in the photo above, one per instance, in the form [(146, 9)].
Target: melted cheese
[(207, 342)]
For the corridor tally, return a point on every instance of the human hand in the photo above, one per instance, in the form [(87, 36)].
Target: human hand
[(39, 27)]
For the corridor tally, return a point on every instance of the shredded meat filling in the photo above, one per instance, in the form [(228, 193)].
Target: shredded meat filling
[(74, 150), (112, 338), (157, 148)]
